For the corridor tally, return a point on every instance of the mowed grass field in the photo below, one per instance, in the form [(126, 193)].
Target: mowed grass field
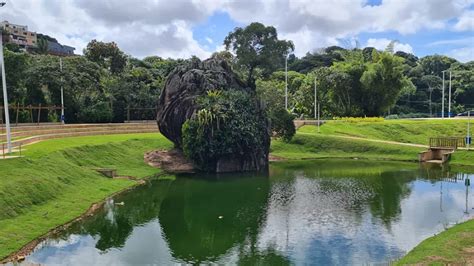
[(341, 139)]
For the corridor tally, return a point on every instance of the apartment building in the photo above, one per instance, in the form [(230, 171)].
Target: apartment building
[(19, 34)]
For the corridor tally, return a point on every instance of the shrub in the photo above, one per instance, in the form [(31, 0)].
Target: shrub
[(388, 117), (97, 113), (282, 124), (359, 119), (229, 123)]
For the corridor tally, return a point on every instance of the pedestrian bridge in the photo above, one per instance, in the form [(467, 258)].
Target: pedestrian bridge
[(441, 148)]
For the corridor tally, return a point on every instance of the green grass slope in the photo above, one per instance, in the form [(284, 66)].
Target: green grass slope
[(408, 131), (454, 246), (56, 181), (334, 140)]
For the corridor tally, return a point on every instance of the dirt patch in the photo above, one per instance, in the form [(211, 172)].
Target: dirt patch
[(171, 161), (274, 158)]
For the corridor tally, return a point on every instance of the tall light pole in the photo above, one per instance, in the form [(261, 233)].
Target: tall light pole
[(62, 91), (286, 81), (5, 95), (469, 139), (442, 101), (449, 97), (315, 99)]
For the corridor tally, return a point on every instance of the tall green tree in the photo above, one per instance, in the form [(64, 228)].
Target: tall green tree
[(258, 46), (107, 55)]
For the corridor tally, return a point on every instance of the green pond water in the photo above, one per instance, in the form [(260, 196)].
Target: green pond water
[(308, 212)]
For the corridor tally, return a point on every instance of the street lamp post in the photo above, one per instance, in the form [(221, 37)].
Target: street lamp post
[(5, 95), (442, 101), (62, 91), (468, 137), (449, 97), (286, 81)]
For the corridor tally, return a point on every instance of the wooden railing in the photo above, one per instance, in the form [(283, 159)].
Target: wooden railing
[(447, 142)]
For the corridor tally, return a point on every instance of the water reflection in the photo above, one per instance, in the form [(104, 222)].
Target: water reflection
[(329, 212)]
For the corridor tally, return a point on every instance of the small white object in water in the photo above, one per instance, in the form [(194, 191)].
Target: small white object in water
[(120, 203), (220, 217)]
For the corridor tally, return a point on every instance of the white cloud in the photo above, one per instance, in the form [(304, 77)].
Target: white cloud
[(464, 54), (209, 40), (150, 28), (381, 44), (465, 22), (319, 22), (164, 28), (462, 41)]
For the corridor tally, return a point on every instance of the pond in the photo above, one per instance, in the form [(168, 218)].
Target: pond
[(306, 212)]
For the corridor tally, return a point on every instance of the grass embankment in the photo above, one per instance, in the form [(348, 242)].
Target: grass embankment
[(454, 246), (56, 181), (336, 140)]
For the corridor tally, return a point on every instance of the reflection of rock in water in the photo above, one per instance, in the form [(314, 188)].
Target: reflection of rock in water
[(190, 214)]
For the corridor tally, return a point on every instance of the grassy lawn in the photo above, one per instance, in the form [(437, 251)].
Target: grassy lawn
[(312, 146), (309, 144), (454, 246), (55, 181), (408, 131)]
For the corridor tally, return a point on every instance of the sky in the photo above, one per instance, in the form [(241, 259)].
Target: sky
[(182, 28)]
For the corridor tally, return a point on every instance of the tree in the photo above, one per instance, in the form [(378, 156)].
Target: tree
[(42, 45), (107, 55), (382, 84), (16, 65), (257, 46), (435, 64), (272, 92), (432, 82)]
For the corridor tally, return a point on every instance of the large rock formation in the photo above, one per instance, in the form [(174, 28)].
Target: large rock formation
[(177, 104)]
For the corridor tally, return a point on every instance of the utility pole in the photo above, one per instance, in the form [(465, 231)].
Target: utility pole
[(286, 82), (315, 99), (62, 90), (449, 97), (442, 101), (468, 139), (319, 117), (5, 95)]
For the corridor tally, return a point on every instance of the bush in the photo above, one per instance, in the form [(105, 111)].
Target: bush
[(97, 113), (359, 119), (282, 124), (229, 123), (388, 117)]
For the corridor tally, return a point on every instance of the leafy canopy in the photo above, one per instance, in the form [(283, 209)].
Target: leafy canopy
[(258, 46)]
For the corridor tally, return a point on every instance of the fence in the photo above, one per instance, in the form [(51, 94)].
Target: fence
[(141, 113), (17, 108), (4, 150), (447, 142)]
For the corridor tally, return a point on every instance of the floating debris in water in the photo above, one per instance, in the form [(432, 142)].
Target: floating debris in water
[(220, 217), (120, 203)]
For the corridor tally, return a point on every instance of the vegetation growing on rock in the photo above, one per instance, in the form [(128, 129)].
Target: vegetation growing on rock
[(229, 125)]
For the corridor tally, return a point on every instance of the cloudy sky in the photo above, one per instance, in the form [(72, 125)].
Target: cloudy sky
[(181, 28)]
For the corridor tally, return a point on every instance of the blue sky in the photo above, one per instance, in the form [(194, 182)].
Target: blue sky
[(182, 28)]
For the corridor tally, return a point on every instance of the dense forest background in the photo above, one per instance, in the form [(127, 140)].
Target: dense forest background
[(102, 83)]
